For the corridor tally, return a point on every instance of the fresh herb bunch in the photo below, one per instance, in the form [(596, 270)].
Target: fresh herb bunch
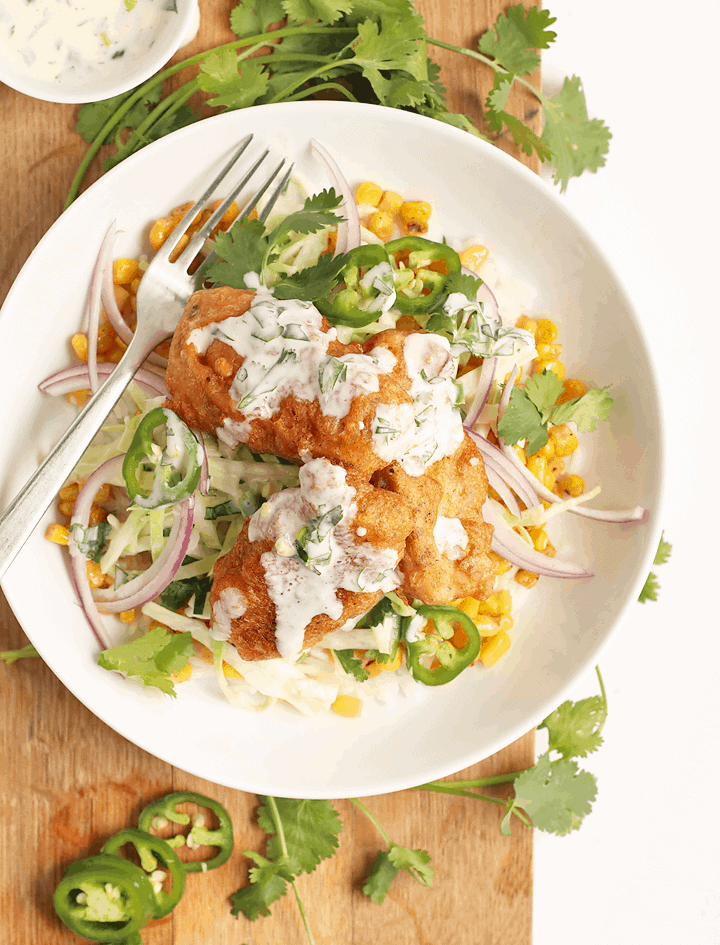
[(553, 795), (361, 50)]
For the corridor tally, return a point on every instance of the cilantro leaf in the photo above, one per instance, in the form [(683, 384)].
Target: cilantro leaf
[(313, 282), (316, 213), (326, 11), (574, 727), (650, 589), (311, 830), (266, 887), (93, 116), (585, 411), (466, 285), (524, 136), (12, 656), (351, 664), (153, 657), (382, 47), (453, 118), (663, 552), (381, 875), (543, 390), (577, 143), (240, 251), (555, 795), (416, 862), (522, 421), (251, 17), (515, 36), (221, 76), (178, 593)]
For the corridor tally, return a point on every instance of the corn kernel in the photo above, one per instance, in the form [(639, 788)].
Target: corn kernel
[(96, 578), (69, 493), (526, 578), (563, 439), (182, 675), (368, 193), (493, 648), (414, 215), (469, 606), (230, 216), (106, 338), (121, 295), (182, 244), (487, 625), (127, 616), (572, 388), (529, 324), (547, 451), (390, 666), (103, 493), (124, 271), (390, 202), (381, 224), (547, 351), (66, 508), (550, 364), (504, 599), (230, 672), (539, 538), (135, 285), (78, 397), (573, 485), (79, 344), (160, 231), (502, 565), (57, 533), (538, 466), (179, 212), (96, 516), (506, 622), (521, 454), (348, 706), (547, 331), (331, 241), (474, 256)]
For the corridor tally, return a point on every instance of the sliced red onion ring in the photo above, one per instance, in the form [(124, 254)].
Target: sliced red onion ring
[(506, 543), (502, 489), (495, 458), (348, 235), (94, 302), (152, 582), (122, 329), (76, 378), (78, 561), (485, 383)]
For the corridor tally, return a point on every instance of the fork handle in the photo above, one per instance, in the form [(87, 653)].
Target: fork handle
[(30, 504)]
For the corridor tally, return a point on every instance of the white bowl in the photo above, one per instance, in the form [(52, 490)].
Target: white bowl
[(157, 43), (476, 191)]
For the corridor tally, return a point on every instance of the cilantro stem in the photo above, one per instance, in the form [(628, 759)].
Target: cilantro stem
[(325, 86), (314, 74), (277, 820), (371, 817), (142, 90), (448, 788)]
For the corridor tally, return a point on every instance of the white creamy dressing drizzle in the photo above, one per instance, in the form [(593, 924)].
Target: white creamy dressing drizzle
[(483, 336), (450, 537), (230, 604), (381, 279), (285, 353), (175, 454), (48, 39), (317, 520), (417, 436)]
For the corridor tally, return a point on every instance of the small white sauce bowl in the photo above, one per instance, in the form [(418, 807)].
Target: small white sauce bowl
[(118, 75)]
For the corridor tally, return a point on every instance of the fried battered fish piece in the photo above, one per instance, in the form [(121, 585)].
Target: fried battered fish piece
[(270, 373), (311, 559), (446, 555)]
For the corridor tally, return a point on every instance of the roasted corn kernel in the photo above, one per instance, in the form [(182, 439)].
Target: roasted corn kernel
[(160, 231), (572, 388), (502, 565), (96, 578), (573, 485), (381, 224), (493, 648), (526, 578), (563, 439), (547, 331), (414, 215), (348, 706), (79, 344), (57, 533), (368, 193), (127, 616), (390, 202), (550, 364), (529, 324), (474, 256), (124, 271), (181, 675)]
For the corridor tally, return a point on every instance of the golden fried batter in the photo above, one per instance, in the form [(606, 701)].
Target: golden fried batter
[(201, 386), (453, 488), (262, 586)]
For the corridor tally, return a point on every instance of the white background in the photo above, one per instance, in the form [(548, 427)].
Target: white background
[(644, 866)]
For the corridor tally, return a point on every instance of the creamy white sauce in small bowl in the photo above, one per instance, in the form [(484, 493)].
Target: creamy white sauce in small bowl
[(88, 50)]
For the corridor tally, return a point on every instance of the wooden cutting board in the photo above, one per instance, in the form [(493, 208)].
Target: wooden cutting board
[(69, 782)]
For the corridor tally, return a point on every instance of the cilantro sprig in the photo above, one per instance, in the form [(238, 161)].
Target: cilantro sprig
[(531, 409), (651, 587), (153, 658), (24, 652), (365, 50)]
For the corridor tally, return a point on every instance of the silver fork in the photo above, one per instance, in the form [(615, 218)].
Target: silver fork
[(165, 288)]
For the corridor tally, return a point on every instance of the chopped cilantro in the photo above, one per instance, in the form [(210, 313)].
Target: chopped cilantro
[(351, 664), (91, 540), (178, 593), (152, 657)]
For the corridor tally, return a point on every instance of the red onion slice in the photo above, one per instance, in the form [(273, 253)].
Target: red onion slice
[(502, 489), (348, 234), (485, 383), (78, 561), (506, 543), (94, 302), (152, 582), (77, 378), (495, 458)]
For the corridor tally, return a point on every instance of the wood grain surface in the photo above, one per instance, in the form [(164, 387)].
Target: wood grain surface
[(69, 782)]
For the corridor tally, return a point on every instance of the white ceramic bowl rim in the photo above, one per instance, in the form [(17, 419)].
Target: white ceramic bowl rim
[(329, 760)]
